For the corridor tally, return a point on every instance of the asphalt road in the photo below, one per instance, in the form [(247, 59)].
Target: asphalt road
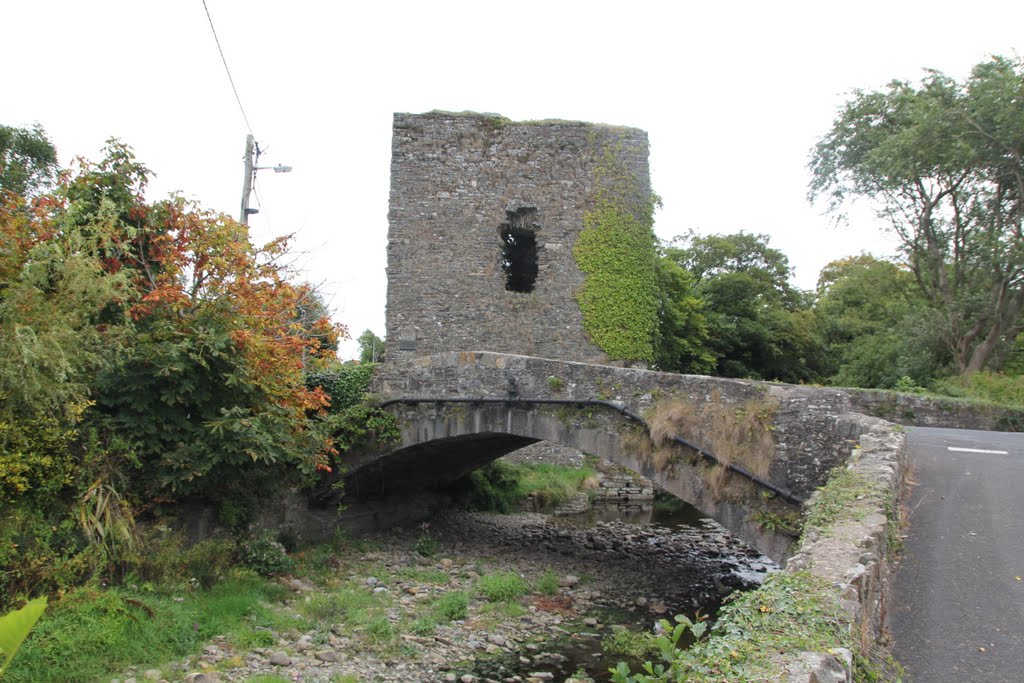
[(957, 603)]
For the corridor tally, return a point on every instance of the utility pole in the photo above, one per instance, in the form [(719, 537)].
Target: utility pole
[(252, 157), (250, 172)]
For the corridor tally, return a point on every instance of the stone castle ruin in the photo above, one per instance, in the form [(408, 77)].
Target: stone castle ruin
[(484, 216)]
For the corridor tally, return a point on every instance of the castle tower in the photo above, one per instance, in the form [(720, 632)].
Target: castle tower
[(484, 217)]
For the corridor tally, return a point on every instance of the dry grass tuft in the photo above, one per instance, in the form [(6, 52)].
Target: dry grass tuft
[(739, 433)]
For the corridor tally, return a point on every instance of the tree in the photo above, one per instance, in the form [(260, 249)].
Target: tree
[(759, 326), (943, 164), (682, 342), (869, 316), (371, 347), (212, 381), (28, 161)]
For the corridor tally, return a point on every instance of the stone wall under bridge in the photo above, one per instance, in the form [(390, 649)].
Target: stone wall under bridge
[(808, 430)]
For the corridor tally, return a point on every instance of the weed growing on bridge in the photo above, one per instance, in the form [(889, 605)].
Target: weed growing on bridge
[(735, 433), (556, 384), (846, 490)]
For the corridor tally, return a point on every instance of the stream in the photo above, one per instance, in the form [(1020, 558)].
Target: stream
[(662, 559)]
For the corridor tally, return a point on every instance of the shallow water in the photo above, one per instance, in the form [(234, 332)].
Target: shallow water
[(582, 650)]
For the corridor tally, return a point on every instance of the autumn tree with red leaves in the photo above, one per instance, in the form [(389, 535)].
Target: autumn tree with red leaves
[(212, 383)]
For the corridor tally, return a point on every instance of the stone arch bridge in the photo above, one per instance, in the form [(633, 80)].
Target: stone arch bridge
[(461, 410)]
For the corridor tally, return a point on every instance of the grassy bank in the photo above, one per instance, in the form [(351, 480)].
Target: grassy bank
[(93, 631), (503, 487)]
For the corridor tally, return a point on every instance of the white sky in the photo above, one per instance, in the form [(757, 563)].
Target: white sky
[(733, 96)]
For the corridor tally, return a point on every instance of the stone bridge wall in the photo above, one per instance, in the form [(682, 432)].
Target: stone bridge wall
[(803, 427)]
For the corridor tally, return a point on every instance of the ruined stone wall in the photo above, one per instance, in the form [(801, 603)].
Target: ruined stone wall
[(458, 181)]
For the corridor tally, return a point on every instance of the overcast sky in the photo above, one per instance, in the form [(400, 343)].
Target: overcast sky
[(733, 96)]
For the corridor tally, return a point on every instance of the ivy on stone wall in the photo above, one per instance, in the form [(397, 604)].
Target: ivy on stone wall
[(617, 252)]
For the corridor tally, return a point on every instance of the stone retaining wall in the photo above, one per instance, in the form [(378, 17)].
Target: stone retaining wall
[(932, 411), (853, 553)]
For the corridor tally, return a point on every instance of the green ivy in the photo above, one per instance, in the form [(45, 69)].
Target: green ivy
[(617, 252), (353, 420)]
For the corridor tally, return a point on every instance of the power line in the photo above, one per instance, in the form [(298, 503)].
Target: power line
[(225, 61)]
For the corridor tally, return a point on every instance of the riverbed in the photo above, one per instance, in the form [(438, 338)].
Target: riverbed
[(611, 574)]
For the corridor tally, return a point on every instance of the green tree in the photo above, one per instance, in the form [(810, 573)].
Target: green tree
[(943, 164), (759, 326), (28, 161), (212, 388), (682, 343), (371, 347), (869, 314)]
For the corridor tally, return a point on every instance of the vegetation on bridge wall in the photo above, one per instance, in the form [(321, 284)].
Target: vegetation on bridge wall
[(740, 433), (617, 251)]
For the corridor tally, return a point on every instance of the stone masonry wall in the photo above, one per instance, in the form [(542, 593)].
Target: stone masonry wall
[(853, 553), (804, 424), (455, 180)]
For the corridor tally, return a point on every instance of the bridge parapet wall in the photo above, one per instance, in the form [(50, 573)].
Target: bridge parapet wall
[(803, 425)]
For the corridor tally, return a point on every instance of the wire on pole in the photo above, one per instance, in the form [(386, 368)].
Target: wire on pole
[(228, 71)]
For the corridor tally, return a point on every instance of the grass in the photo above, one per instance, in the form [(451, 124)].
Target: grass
[(92, 633), (432, 576), (504, 611), (449, 607), (551, 485), (789, 613), (503, 587), (501, 487), (845, 490), (623, 642), (349, 604), (547, 583)]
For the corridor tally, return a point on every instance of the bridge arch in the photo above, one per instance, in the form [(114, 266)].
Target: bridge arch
[(443, 440)]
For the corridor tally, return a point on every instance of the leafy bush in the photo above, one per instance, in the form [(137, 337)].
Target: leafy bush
[(426, 546), (264, 554), (42, 549), (353, 419), (493, 487), (503, 587)]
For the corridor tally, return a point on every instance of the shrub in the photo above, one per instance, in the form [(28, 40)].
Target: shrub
[(265, 555), (426, 546)]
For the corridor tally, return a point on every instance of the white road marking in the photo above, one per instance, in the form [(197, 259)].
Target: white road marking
[(976, 450)]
